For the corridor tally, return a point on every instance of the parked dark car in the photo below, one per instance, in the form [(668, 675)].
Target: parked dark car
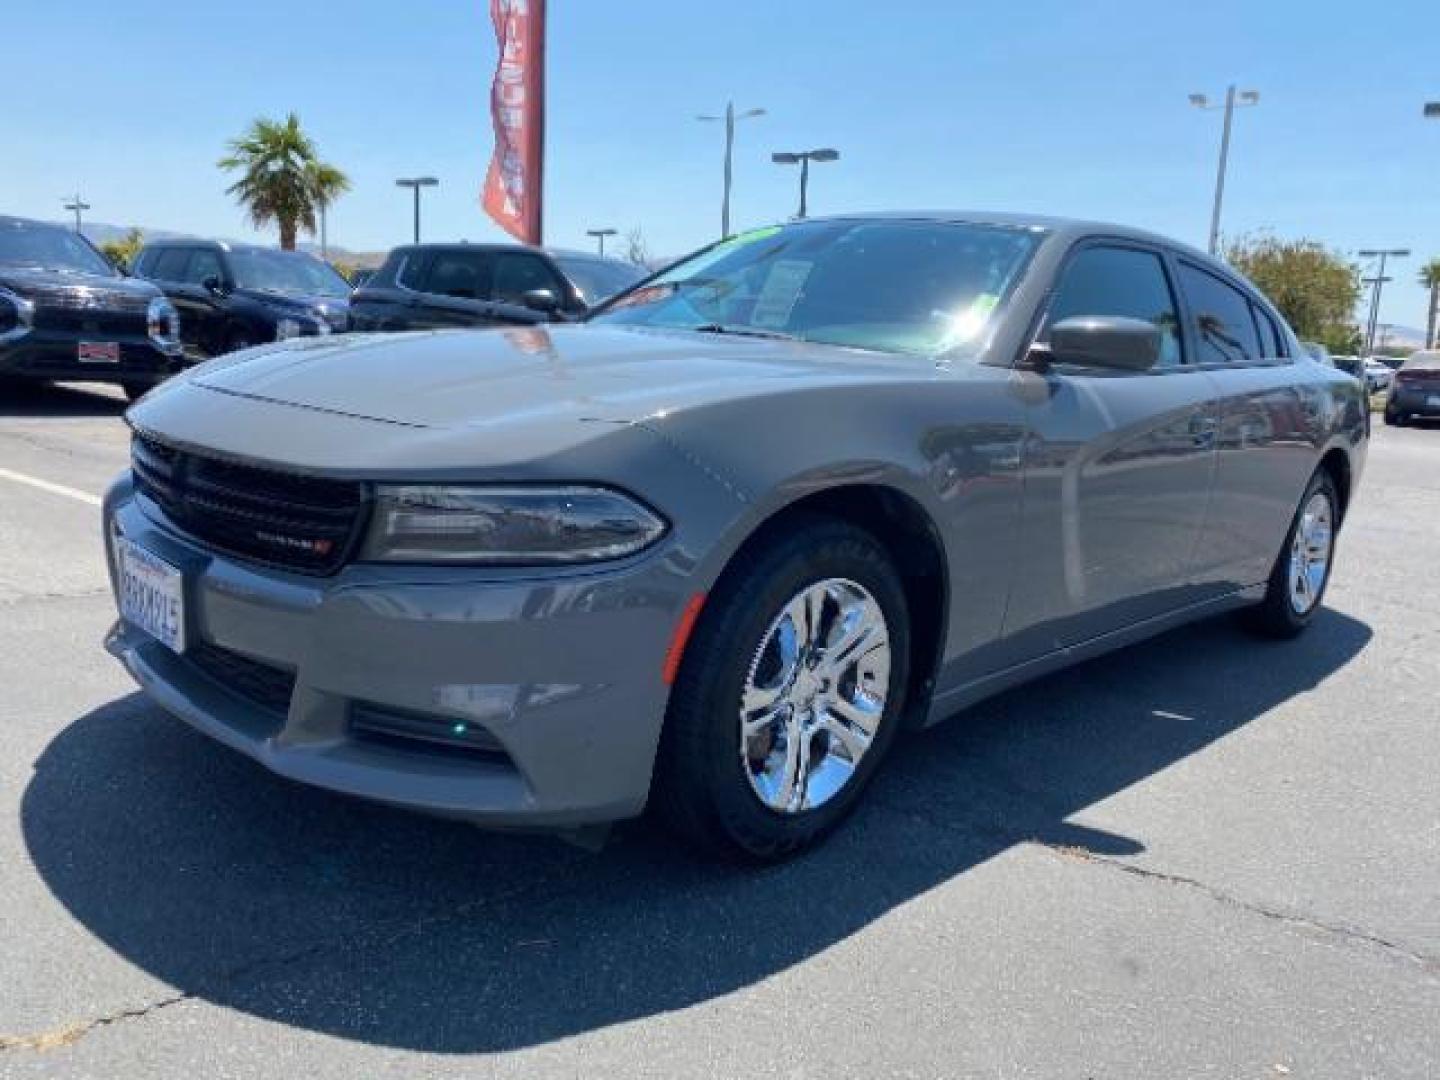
[(232, 296), (715, 547), (67, 313), (440, 286), (1415, 389)]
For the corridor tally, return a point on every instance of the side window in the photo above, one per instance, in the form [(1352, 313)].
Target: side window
[(409, 272), (462, 274), (204, 263), (519, 273), (1224, 321), (144, 262), (1271, 340), (1124, 282), (169, 264)]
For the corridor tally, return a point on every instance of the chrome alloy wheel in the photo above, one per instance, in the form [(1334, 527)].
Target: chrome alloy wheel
[(1310, 553), (814, 695)]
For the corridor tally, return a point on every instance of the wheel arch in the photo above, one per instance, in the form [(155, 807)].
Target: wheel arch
[(908, 531)]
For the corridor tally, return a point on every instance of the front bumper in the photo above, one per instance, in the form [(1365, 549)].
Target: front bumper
[(563, 669), (55, 354)]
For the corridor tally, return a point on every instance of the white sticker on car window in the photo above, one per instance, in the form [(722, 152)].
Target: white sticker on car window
[(782, 288)]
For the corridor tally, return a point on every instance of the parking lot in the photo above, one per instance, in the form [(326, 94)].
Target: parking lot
[(1205, 855)]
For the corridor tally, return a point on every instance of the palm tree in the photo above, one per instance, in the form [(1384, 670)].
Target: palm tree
[(282, 180), (327, 184), (1430, 278)]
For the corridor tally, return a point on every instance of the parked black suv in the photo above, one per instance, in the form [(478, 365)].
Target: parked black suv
[(432, 286), (67, 313), (232, 296)]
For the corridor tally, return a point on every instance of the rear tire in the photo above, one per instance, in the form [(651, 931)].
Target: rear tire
[(732, 781), (1298, 581), (134, 391)]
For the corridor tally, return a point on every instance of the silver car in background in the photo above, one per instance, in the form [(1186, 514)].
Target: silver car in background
[(712, 550)]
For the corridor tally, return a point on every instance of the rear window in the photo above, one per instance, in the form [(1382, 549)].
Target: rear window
[(1224, 321)]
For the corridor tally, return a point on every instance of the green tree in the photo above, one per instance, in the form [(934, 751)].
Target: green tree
[(282, 178), (1316, 289), (1430, 278), (122, 252)]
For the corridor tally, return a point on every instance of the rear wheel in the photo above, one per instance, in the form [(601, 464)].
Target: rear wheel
[(1302, 571), (789, 694)]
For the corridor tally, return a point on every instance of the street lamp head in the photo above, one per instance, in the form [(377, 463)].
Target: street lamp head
[(416, 181), (600, 232), (1432, 110), (1250, 97), (825, 155), (785, 159), (749, 113), (1199, 100)]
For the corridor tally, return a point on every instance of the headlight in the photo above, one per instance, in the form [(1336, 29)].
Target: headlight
[(162, 323), (17, 315), (507, 525), (301, 326)]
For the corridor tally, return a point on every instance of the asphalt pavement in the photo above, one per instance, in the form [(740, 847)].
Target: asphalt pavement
[(1205, 856)]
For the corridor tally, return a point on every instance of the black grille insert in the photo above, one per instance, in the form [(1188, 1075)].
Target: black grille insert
[(268, 687), (284, 519), (421, 731)]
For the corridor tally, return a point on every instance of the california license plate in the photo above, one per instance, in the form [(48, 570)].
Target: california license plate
[(99, 352), (152, 594)]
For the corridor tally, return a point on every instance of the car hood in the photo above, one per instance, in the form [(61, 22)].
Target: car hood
[(83, 289), (487, 377)]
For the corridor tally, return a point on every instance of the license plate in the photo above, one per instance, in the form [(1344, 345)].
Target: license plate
[(1433, 402), (152, 594), (99, 352)]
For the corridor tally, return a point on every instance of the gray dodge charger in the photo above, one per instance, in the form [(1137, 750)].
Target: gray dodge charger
[(711, 550)]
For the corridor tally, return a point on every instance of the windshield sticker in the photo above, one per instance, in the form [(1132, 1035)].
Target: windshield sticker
[(782, 288)]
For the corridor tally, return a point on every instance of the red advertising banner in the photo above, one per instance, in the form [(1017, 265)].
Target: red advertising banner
[(515, 183)]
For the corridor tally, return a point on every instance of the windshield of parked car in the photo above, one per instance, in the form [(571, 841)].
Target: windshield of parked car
[(286, 272), (1422, 361), (49, 247), (598, 280), (901, 286)]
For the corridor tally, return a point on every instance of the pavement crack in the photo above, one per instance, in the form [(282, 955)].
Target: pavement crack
[(1352, 934), (69, 1034)]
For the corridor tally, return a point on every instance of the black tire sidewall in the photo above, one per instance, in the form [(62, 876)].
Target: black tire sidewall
[(1279, 616), (705, 705)]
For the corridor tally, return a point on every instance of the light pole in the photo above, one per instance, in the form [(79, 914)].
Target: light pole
[(600, 235), (1200, 101), (78, 206), (415, 183), (803, 159), (729, 118), (1378, 281)]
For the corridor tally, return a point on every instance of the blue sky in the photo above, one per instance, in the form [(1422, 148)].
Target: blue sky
[(1044, 105)]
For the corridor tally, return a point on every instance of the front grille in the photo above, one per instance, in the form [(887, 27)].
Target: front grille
[(83, 298), (282, 519), (82, 321), (268, 687)]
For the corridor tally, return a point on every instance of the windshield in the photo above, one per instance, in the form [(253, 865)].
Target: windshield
[(900, 286), (286, 272), (24, 243), (598, 280)]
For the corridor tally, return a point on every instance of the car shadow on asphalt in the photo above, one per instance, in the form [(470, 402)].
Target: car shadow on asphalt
[(371, 924), (51, 400)]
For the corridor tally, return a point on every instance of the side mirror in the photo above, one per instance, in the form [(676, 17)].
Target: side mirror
[(541, 300), (214, 285), (1109, 342)]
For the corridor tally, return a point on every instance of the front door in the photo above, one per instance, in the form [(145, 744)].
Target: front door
[(1118, 466)]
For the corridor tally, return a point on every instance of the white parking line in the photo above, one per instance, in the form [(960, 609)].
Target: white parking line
[(54, 489)]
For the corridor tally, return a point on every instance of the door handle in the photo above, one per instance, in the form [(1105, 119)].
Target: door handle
[(1202, 430)]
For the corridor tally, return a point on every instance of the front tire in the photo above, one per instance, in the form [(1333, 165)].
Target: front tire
[(789, 696), (1302, 571)]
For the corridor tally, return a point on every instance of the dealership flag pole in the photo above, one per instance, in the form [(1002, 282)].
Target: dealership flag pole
[(515, 183)]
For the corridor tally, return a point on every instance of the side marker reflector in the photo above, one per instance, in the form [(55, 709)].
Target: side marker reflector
[(676, 652)]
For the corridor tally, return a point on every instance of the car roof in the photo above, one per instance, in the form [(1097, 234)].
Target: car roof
[(223, 245), (10, 220)]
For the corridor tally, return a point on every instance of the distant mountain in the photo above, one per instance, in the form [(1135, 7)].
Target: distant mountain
[(1391, 336)]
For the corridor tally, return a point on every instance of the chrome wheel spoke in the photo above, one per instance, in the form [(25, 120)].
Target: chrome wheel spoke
[(814, 697), (1310, 553)]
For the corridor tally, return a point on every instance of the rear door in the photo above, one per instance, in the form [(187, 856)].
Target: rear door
[(1272, 427), (204, 308), (1118, 465), (167, 269)]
